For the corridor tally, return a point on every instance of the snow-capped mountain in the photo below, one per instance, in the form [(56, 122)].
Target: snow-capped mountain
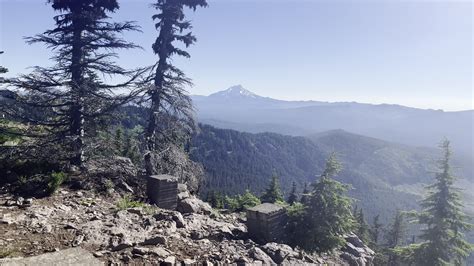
[(240, 109), (235, 91), (239, 97)]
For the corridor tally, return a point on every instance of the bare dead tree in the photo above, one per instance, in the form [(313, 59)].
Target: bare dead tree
[(59, 103)]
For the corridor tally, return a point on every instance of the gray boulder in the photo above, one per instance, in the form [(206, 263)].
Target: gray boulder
[(194, 205), (155, 240), (258, 254), (279, 252)]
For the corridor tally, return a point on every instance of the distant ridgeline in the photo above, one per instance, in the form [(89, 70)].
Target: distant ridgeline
[(384, 176)]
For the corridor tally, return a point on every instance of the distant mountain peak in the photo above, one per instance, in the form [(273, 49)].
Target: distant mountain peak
[(235, 91)]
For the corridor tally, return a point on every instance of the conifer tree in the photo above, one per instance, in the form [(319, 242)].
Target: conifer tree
[(443, 220), (292, 198), (119, 140), (215, 199), (362, 226), (170, 118), (273, 193), (130, 147), (326, 217), (375, 229), (68, 98), (304, 195), (395, 237)]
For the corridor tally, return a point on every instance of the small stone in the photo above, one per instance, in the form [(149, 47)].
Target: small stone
[(28, 201), (159, 251), (98, 254), (6, 219), (188, 262), (136, 210), (258, 254), (126, 187), (126, 257), (70, 226), (155, 241), (171, 261), (178, 218), (10, 203), (122, 246), (183, 195), (77, 240), (19, 201), (140, 250)]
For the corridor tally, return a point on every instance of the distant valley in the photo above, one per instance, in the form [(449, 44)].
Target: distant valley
[(389, 152), (384, 175), (239, 109)]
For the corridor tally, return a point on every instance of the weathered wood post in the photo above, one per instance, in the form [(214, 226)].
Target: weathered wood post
[(265, 223), (162, 190)]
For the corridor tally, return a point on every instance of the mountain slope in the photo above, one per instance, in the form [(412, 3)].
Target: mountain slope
[(388, 163), (249, 112), (385, 176)]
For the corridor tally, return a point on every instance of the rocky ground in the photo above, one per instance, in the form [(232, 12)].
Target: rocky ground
[(115, 234)]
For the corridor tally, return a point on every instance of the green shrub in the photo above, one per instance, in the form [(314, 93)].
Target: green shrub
[(242, 202), (56, 179), (109, 185), (248, 200), (127, 203)]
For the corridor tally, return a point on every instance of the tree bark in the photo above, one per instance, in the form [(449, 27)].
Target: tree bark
[(77, 92), (156, 95)]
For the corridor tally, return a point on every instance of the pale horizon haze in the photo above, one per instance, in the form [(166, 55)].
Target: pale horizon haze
[(412, 53)]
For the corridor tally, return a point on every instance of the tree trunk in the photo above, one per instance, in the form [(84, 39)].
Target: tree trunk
[(77, 93), (156, 95)]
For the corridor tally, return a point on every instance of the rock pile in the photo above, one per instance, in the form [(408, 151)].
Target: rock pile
[(147, 235)]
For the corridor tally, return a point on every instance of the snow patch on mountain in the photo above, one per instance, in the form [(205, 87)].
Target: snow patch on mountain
[(235, 91)]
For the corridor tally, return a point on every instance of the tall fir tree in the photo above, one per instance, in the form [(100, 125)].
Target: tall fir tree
[(304, 195), (443, 220), (293, 197), (394, 237), (319, 224), (362, 226), (375, 230), (68, 98), (171, 117), (273, 193)]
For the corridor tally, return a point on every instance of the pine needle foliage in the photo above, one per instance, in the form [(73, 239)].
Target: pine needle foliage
[(170, 111), (293, 197), (443, 220), (319, 224), (273, 193), (62, 104)]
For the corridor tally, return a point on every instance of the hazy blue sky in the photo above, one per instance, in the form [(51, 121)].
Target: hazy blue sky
[(415, 53)]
